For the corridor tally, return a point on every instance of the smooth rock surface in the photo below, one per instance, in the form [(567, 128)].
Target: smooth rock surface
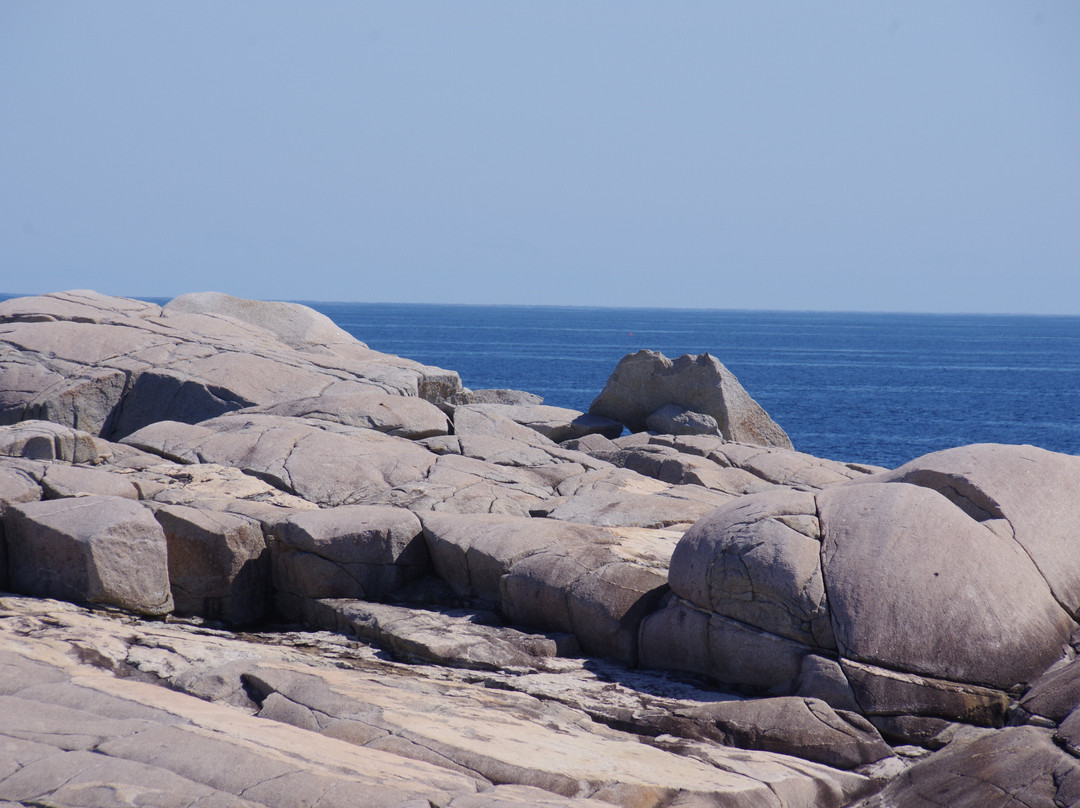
[(918, 586)]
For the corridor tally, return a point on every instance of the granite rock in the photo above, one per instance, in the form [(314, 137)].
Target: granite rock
[(94, 549), (645, 381)]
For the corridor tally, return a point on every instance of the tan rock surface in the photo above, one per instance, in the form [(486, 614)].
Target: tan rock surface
[(346, 724)]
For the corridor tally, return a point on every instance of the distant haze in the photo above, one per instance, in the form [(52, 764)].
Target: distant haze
[(886, 156)]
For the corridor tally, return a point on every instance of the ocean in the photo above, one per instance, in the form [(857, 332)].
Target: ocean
[(867, 388)]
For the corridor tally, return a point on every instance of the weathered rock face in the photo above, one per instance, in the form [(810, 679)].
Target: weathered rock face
[(314, 719), (646, 381), (671, 419), (553, 576), (273, 469), (218, 563), (292, 454), (912, 580), (110, 366), (361, 552), (98, 549)]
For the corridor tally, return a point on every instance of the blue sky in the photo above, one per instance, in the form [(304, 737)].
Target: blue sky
[(872, 156)]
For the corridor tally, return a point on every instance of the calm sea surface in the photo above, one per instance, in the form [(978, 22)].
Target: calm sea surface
[(872, 388)]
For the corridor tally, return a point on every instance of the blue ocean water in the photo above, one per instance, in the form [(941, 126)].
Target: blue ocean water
[(870, 388)]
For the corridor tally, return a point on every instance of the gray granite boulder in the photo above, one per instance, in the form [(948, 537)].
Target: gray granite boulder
[(1023, 492), (95, 549), (352, 551), (552, 575), (43, 440), (914, 581), (644, 382), (218, 563), (1018, 766), (918, 586), (671, 419)]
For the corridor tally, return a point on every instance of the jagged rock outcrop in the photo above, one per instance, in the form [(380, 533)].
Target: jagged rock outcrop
[(646, 381), (649, 620)]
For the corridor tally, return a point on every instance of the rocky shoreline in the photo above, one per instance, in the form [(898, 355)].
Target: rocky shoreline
[(252, 561)]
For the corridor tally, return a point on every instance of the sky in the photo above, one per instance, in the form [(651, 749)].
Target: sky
[(855, 156)]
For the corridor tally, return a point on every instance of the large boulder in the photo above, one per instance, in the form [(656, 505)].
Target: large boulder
[(671, 419), (646, 381), (353, 551), (1020, 491), (552, 575), (218, 564), (937, 598), (95, 549), (110, 366)]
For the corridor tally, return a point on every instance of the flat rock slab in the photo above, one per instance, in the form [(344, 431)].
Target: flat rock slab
[(457, 638), (184, 751), (351, 727), (320, 461), (400, 416), (60, 480)]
